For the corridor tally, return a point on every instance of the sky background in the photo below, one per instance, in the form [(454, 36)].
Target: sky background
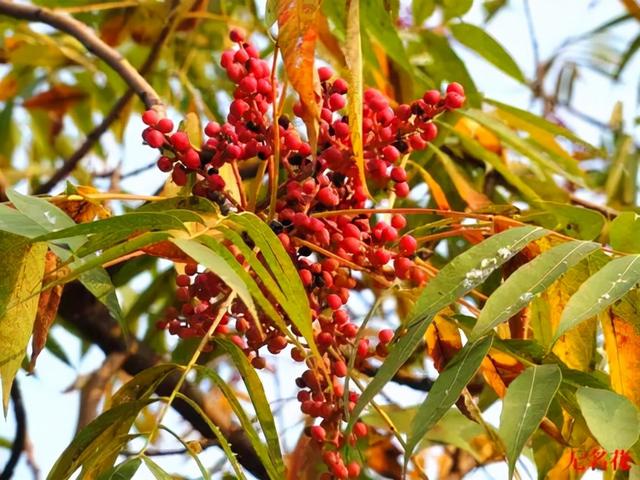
[(52, 412)]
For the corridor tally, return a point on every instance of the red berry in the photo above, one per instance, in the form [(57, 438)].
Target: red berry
[(154, 138), (150, 117), (398, 221), (431, 97), (401, 266), (339, 369), (306, 277), (325, 73), (389, 234), (455, 87), (398, 174), (385, 335), (354, 470), (351, 244), (165, 164), (408, 245), (402, 189), (180, 141), (165, 125), (328, 197), (336, 101), (360, 429), (212, 129), (318, 433), (454, 100), (191, 159), (429, 132), (334, 301), (235, 36), (391, 153)]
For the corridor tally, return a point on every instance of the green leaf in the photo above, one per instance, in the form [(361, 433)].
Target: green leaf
[(283, 271), (157, 472), (270, 14), (541, 157), (577, 222), (599, 291), (487, 47), (457, 278), (527, 282), (98, 282), (12, 221), (259, 402), (539, 122), (40, 211), (525, 405), (422, 9), (97, 440), (129, 223), (455, 8), (612, 419), (203, 470), (624, 232), (124, 471), (446, 390), (380, 26), (21, 281)]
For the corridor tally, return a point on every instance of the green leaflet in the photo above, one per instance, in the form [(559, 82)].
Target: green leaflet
[(446, 390), (527, 282), (458, 277), (612, 419), (599, 291), (487, 47), (525, 405)]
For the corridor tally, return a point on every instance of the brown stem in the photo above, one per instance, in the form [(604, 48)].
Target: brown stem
[(147, 94)]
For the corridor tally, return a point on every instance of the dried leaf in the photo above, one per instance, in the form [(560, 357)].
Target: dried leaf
[(382, 457), (58, 99), (47, 309), (8, 87), (443, 341), (499, 370), (168, 250), (81, 210), (305, 461)]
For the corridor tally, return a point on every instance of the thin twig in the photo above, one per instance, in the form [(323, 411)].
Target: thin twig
[(21, 431), (148, 95), (532, 36), (87, 37)]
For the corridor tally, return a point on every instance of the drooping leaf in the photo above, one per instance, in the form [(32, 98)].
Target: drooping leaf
[(525, 405), (602, 289), (422, 9), (446, 389), (627, 56), (527, 282), (353, 58), (297, 35), (461, 275), (612, 418), (155, 469), (624, 232), (487, 47), (455, 8), (97, 441), (21, 282), (57, 99), (259, 402)]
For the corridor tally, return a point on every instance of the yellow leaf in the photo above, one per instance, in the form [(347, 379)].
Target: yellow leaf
[(443, 341), (622, 344)]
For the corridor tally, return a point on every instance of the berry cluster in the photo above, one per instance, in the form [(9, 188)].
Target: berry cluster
[(326, 248)]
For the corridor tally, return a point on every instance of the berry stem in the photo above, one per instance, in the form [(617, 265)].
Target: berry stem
[(238, 178)]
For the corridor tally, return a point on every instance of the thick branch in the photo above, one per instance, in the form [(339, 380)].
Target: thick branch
[(90, 40), (93, 322), (21, 432), (93, 137)]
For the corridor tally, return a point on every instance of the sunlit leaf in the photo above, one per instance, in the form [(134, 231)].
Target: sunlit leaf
[(624, 232)]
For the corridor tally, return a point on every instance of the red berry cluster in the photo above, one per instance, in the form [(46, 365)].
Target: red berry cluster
[(326, 248)]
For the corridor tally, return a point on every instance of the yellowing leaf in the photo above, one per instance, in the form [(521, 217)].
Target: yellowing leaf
[(499, 370), (58, 99), (8, 87), (297, 35), (622, 344), (443, 341), (21, 281)]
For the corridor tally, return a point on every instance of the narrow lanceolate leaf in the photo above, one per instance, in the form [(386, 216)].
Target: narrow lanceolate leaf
[(602, 289), (446, 390), (353, 57), (612, 419), (487, 47), (283, 271), (259, 401), (525, 405), (622, 345), (528, 281), (124, 471), (21, 281), (155, 469), (297, 35), (457, 278)]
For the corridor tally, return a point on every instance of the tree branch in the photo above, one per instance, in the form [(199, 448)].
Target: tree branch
[(21, 432), (93, 322), (93, 136), (90, 40)]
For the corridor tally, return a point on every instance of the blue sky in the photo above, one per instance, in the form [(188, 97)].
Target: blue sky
[(52, 413)]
